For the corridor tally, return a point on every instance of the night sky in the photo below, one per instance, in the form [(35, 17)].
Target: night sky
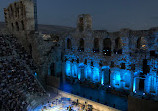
[(111, 15)]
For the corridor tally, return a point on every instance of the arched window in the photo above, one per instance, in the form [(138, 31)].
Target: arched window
[(68, 43), (81, 24), (12, 12), (22, 24), (118, 46), (18, 11), (22, 8), (141, 43), (12, 26), (96, 45), (81, 45), (17, 26), (107, 47), (15, 10)]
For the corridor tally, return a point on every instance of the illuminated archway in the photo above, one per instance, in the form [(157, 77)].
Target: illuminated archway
[(68, 43), (105, 77), (107, 47), (118, 46)]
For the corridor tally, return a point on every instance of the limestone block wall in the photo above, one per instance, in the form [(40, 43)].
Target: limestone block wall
[(128, 49)]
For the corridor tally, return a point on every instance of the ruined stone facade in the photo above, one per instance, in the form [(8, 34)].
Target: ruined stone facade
[(126, 59), (20, 19)]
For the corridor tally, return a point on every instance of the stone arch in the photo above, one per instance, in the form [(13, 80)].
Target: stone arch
[(81, 24), (18, 11), (22, 8), (105, 78), (12, 26), (118, 43), (96, 45), (81, 45), (68, 43), (15, 7), (141, 43), (107, 47), (17, 26), (22, 24), (118, 46), (81, 75), (11, 9)]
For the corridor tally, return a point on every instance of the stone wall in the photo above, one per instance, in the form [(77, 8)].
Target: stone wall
[(89, 53)]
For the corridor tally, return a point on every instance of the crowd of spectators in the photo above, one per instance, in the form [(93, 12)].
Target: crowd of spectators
[(16, 75), (4, 46)]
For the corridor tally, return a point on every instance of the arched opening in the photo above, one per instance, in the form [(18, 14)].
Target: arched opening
[(17, 26), (81, 45), (12, 26), (11, 9), (18, 11), (123, 66), (139, 43), (52, 69), (118, 46), (107, 47), (68, 68), (22, 7), (81, 24), (22, 24), (96, 45), (141, 84), (105, 79), (81, 75), (68, 43), (30, 48), (15, 10)]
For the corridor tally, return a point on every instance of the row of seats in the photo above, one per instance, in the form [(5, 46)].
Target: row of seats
[(17, 79)]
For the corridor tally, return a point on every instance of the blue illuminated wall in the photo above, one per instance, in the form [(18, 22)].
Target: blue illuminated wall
[(68, 68), (150, 83), (88, 72), (83, 71), (121, 78), (74, 69), (96, 74)]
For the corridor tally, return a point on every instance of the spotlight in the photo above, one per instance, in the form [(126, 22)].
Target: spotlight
[(143, 93), (109, 86)]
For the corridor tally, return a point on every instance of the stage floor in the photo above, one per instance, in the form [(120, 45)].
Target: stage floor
[(60, 105), (95, 95)]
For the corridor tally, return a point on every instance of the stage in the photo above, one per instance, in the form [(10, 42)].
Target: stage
[(60, 104)]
